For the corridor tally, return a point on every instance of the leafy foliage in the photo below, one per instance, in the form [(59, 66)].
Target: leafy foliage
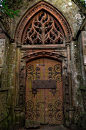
[(6, 7), (10, 7), (83, 2)]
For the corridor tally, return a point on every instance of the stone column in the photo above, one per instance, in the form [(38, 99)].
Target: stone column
[(75, 69), (71, 109), (17, 107), (74, 72), (17, 72), (2, 49)]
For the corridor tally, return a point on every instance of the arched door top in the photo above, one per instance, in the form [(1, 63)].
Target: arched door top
[(40, 54), (48, 13)]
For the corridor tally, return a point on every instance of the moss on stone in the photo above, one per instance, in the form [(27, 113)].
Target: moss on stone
[(81, 125)]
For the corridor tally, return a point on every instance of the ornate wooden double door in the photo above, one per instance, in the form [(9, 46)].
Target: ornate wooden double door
[(44, 91)]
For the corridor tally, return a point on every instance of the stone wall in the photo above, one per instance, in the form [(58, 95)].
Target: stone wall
[(3, 91), (7, 92), (9, 62), (80, 114), (67, 7)]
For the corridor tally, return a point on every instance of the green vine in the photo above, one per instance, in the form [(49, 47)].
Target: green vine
[(7, 7)]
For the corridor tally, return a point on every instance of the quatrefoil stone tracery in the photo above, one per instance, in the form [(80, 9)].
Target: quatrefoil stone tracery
[(43, 29)]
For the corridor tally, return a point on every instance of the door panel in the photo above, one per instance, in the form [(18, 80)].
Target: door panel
[(44, 93)]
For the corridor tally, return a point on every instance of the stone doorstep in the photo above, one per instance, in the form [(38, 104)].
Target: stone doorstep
[(47, 127)]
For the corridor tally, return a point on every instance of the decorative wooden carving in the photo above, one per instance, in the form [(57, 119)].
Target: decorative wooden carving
[(49, 13), (29, 56), (33, 73), (43, 29), (66, 88), (55, 73), (21, 94), (54, 110)]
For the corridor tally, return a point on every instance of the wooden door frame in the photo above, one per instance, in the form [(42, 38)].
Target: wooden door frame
[(27, 57)]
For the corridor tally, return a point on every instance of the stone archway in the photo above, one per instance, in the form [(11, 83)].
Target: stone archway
[(43, 28), (23, 24)]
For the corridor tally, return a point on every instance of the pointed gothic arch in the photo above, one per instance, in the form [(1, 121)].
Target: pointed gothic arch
[(47, 25), (43, 15)]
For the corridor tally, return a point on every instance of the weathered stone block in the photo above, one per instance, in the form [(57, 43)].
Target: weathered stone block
[(31, 124)]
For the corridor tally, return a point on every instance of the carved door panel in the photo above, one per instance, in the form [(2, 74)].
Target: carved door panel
[(44, 95)]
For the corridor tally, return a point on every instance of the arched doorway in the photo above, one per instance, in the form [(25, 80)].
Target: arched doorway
[(44, 91), (43, 37)]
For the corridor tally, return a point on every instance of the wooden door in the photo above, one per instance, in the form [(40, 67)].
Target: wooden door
[(44, 92)]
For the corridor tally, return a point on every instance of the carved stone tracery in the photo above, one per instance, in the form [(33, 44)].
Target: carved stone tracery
[(43, 29), (48, 9)]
